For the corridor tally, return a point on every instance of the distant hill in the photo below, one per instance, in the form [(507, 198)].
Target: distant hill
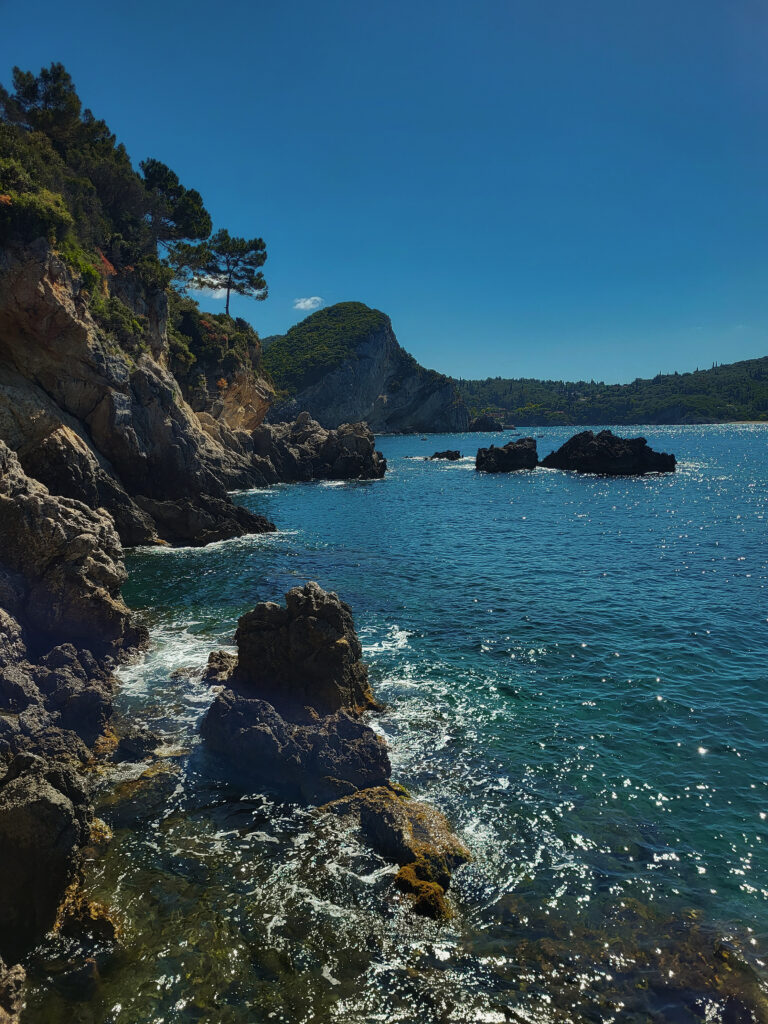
[(344, 364), (733, 391)]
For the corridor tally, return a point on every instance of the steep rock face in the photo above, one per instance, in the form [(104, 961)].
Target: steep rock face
[(61, 566), (128, 412), (513, 456), (11, 993), (380, 383), (290, 452), (609, 455), (243, 404)]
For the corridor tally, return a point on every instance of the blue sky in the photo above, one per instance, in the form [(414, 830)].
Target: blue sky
[(569, 188)]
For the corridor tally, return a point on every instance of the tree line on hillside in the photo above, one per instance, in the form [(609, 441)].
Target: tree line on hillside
[(65, 177), (734, 391)]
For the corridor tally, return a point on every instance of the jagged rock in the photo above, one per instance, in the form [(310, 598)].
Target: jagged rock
[(485, 424), (11, 993), (44, 819), (64, 563), (202, 520), (290, 719), (451, 454), (513, 456), (118, 420), (303, 451), (313, 761), (306, 654), (607, 454), (416, 836), (378, 382), (220, 666)]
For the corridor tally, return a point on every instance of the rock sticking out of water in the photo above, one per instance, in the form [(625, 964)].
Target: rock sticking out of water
[(485, 424), (451, 455), (303, 450), (609, 455), (513, 456), (291, 717)]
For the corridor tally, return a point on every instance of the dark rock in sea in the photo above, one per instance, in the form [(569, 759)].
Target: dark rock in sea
[(220, 666), (313, 761), (291, 718), (11, 993), (485, 424), (513, 456), (304, 655), (607, 454), (141, 797), (303, 450), (451, 454), (44, 819), (202, 520)]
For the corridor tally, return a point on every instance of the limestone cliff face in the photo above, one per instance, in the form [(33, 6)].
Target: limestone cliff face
[(383, 385), (93, 422)]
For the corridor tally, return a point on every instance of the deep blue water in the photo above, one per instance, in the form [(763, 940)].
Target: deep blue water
[(576, 672)]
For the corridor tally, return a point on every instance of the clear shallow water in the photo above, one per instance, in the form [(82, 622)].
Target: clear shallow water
[(575, 669)]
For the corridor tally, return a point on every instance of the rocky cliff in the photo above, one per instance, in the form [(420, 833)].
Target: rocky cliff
[(95, 414), (344, 364)]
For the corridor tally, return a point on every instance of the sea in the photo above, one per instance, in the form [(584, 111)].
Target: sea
[(575, 671)]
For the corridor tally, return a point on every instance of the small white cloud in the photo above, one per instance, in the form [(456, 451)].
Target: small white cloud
[(308, 304), (205, 286)]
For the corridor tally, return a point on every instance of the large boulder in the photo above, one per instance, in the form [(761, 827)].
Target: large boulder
[(304, 655), (312, 761), (607, 454), (44, 820), (513, 456), (303, 451), (450, 455)]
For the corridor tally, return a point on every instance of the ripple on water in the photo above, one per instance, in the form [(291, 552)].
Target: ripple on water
[(573, 670)]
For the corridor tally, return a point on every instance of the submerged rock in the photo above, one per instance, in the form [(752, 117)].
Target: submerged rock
[(451, 454), (513, 456), (607, 454)]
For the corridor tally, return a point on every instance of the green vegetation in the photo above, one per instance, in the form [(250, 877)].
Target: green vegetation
[(64, 177), (736, 391), (320, 343), (208, 347), (231, 264)]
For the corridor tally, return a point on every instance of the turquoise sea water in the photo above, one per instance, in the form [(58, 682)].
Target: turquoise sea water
[(576, 672)]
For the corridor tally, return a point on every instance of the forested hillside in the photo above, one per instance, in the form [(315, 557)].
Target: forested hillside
[(735, 391)]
